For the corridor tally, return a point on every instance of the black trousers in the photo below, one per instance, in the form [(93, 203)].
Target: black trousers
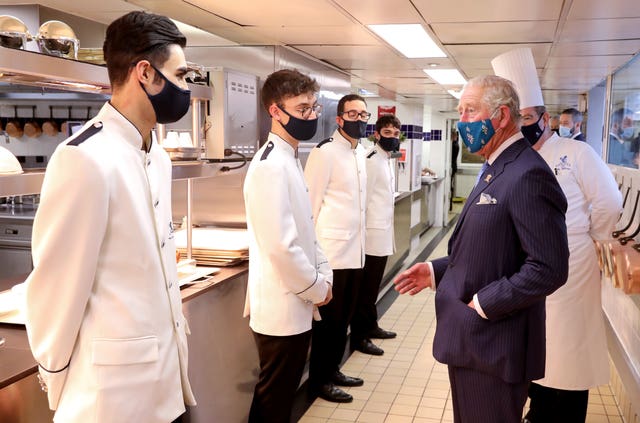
[(550, 405), (330, 334), (365, 318), (482, 398), (282, 360)]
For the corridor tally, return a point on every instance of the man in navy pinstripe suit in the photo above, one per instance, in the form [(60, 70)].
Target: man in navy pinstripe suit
[(506, 254)]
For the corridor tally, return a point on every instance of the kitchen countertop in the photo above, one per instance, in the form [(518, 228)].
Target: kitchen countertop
[(16, 360)]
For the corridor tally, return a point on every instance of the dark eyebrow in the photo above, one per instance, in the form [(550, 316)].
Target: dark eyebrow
[(181, 71)]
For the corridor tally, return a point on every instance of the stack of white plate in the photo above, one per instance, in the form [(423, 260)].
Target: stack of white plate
[(215, 246)]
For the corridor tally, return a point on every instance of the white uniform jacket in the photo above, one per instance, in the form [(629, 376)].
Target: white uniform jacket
[(576, 340), (103, 307), (337, 179), (379, 240), (288, 272)]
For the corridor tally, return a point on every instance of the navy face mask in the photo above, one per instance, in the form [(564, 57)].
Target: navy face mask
[(355, 128), (389, 144), (532, 132), (300, 129), (171, 103)]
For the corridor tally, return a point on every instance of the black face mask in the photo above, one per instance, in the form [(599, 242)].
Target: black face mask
[(171, 103), (532, 132), (300, 129), (389, 144), (355, 128)]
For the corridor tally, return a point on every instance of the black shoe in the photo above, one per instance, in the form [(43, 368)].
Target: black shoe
[(367, 347), (341, 379), (332, 393), (379, 333)]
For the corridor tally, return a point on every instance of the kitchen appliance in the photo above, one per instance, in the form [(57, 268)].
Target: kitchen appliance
[(16, 223), (234, 114)]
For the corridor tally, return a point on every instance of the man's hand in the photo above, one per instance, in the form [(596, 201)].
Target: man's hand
[(327, 298), (414, 279)]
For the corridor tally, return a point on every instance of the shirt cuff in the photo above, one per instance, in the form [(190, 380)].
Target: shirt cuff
[(432, 276), (476, 304)]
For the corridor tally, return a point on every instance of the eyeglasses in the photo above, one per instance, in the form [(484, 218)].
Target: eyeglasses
[(305, 112), (353, 114)]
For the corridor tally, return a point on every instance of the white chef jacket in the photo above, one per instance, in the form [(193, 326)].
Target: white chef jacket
[(288, 272), (379, 239), (576, 341), (337, 179), (103, 307)]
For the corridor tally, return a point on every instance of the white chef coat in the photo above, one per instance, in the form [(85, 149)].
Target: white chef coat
[(379, 239), (103, 307), (576, 340), (288, 272), (337, 179)]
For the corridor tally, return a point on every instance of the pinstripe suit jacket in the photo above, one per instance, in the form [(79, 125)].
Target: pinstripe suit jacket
[(511, 249)]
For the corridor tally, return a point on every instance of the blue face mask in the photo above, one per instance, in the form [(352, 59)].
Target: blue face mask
[(627, 133), (476, 135), (565, 131)]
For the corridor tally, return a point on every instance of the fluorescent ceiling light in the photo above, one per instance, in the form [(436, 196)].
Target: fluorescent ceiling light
[(446, 76), (409, 39), (456, 94)]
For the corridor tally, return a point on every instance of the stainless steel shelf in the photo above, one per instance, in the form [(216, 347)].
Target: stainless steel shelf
[(30, 68), (22, 184), (31, 182)]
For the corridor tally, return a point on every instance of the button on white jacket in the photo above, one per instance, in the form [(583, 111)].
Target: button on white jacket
[(380, 203), (337, 179), (103, 307), (288, 272)]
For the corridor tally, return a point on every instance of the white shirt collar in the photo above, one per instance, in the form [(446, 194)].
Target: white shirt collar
[(512, 139)]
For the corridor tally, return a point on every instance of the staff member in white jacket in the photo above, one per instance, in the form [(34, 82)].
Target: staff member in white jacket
[(288, 273), (577, 357), (380, 242), (575, 335), (103, 307), (336, 175)]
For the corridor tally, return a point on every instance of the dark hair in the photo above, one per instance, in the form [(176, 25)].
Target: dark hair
[(386, 120), (348, 97), (576, 116), (137, 36), (284, 84), (619, 115)]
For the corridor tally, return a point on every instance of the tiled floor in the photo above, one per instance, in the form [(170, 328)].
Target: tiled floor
[(406, 384)]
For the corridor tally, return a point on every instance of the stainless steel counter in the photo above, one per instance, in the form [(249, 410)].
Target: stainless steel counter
[(223, 361)]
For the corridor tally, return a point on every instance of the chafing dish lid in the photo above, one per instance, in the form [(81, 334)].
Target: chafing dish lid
[(13, 32)]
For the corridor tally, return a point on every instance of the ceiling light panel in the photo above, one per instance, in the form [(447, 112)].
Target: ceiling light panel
[(409, 39), (446, 76)]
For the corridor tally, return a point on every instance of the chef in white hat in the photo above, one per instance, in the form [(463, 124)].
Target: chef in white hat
[(576, 344)]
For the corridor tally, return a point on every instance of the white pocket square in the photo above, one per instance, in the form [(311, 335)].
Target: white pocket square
[(486, 199)]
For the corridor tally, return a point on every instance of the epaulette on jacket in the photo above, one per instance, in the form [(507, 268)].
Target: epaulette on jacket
[(323, 142), (267, 150), (86, 134)]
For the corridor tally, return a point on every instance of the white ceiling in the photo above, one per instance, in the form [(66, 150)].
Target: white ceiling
[(575, 43)]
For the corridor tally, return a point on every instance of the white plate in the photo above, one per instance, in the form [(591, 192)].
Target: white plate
[(8, 302), (190, 275)]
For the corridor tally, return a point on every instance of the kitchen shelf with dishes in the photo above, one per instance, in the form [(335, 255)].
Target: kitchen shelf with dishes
[(21, 71)]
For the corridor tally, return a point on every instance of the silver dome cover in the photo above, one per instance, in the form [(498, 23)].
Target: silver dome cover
[(56, 38), (13, 33)]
